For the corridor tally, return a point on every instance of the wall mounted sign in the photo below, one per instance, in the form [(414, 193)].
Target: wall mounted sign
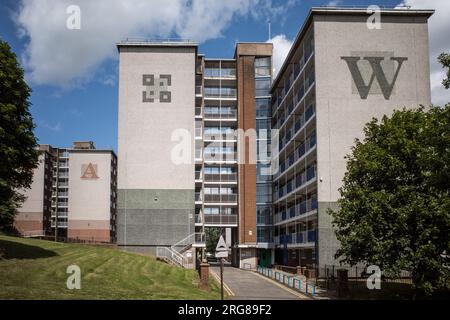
[(89, 172), (365, 67), (156, 88)]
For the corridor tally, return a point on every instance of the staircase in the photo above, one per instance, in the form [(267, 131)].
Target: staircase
[(175, 253)]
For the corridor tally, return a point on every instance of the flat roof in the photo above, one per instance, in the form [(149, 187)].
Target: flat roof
[(92, 151), (156, 43), (342, 10)]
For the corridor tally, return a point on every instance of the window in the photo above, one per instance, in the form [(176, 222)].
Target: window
[(263, 108), (262, 87), (263, 173), (262, 67), (263, 193), (263, 215)]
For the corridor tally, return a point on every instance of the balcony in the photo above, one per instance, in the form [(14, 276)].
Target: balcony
[(219, 93), (298, 153), (221, 177), (297, 210), (227, 73), (61, 224), (198, 112), (300, 180), (228, 115), (220, 136), (220, 198), (199, 91), (224, 157), (221, 219), (301, 237)]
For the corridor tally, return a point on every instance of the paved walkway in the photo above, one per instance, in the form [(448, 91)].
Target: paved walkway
[(248, 285)]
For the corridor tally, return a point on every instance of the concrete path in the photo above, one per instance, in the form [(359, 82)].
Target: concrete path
[(248, 285)]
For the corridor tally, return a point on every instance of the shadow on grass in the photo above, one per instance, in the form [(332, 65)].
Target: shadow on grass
[(16, 250)]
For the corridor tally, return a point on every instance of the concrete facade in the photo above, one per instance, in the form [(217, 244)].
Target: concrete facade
[(156, 184), (30, 216), (92, 193), (73, 195), (329, 87), (351, 80)]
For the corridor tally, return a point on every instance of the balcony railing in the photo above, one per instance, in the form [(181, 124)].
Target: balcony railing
[(213, 92), (224, 219), (222, 73), (198, 90), (229, 136), (299, 123), (217, 198), (221, 115), (296, 210), (221, 177), (301, 237), (295, 183), (298, 153), (220, 157)]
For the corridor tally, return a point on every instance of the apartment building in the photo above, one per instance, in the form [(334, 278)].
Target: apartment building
[(338, 75), (73, 194), (218, 143)]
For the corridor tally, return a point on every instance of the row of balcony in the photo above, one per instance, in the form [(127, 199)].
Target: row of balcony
[(216, 198), (226, 115), (295, 183), (298, 153), (60, 194), (61, 224), (60, 204), (296, 210), (301, 94), (216, 157), (297, 70), (295, 128), (219, 177), (217, 219), (301, 237), (220, 72), (217, 92)]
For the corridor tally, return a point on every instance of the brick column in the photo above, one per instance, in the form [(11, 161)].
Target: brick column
[(204, 274)]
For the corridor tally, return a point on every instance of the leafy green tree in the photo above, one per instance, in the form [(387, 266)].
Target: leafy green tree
[(18, 153), (444, 59), (395, 199), (212, 237)]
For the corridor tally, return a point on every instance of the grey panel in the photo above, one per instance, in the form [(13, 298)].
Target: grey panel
[(154, 217), (327, 244)]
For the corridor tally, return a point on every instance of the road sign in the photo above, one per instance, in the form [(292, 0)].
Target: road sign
[(221, 252), (221, 249)]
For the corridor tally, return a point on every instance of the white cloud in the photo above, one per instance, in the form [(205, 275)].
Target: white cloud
[(439, 30), (281, 47), (334, 3), (58, 56), (55, 128)]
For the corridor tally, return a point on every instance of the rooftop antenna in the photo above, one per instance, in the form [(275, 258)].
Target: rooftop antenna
[(270, 36)]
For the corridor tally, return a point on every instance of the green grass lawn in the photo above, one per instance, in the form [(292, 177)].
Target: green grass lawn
[(36, 269)]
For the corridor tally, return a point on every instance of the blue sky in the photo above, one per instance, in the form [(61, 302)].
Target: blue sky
[(75, 88)]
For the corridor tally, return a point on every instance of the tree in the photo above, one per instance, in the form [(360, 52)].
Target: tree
[(212, 237), (395, 199), (444, 59), (18, 152)]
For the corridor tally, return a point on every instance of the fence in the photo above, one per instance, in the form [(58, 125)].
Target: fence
[(292, 281), (357, 276)]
